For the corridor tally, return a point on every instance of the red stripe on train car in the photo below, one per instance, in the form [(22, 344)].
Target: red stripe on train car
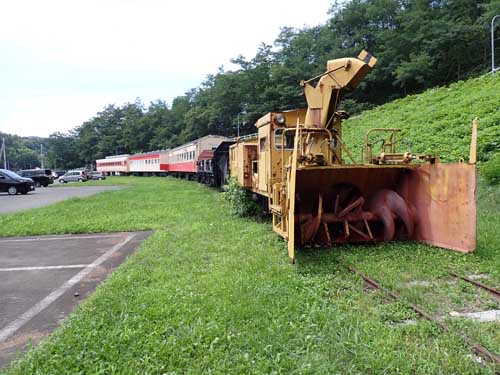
[(189, 166), (206, 154), (142, 157)]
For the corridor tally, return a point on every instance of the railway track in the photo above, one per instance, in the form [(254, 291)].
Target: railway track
[(478, 349)]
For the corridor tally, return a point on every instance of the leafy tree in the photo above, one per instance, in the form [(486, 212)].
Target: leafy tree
[(418, 44)]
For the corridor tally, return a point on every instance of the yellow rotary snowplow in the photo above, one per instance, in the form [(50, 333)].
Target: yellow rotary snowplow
[(318, 194)]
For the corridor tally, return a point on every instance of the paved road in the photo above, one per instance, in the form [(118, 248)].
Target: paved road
[(44, 196), (43, 278)]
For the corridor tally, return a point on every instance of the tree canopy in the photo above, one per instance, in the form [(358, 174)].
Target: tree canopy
[(419, 44)]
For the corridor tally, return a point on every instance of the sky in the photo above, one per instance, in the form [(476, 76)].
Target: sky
[(62, 61)]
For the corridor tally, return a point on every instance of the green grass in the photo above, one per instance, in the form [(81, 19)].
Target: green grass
[(212, 293), (437, 121)]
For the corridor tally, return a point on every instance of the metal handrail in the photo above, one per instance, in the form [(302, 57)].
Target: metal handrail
[(368, 146), (493, 43), (244, 137)]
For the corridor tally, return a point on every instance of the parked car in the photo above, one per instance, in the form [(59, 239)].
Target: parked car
[(73, 176), (12, 183), (97, 176), (57, 174), (42, 177)]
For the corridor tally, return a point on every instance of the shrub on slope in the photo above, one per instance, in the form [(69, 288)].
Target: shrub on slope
[(437, 121)]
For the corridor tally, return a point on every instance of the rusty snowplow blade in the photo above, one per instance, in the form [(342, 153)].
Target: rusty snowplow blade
[(430, 203), (317, 193)]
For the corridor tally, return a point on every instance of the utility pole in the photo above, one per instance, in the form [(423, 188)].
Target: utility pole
[(2, 153), (242, 112), (41, 155), (239, 124), (493, 43)]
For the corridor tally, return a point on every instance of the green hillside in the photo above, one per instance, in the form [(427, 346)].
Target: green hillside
[(437, 121)]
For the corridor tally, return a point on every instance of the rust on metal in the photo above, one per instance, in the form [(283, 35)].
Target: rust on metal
[(297, 161), (477, 348), (444, 199), (489, 289)]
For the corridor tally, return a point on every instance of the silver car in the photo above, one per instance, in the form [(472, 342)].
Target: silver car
[(96, 176), (73, 176)]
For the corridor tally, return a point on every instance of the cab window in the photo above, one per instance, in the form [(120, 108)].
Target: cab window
[(288, 142)]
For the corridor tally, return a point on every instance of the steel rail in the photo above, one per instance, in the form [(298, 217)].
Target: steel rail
[(476, 348), (489, 289)]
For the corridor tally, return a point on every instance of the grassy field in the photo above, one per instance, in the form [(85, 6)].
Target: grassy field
[(437, 121), (212, 293)]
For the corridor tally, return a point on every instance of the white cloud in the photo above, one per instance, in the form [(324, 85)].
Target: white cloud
[(84, 49), (45, 114)]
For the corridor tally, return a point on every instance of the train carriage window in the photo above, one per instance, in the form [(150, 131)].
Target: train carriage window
[(262, 144), (288, 141)]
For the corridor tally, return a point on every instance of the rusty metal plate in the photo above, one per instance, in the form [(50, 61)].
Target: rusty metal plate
[(444, 200)]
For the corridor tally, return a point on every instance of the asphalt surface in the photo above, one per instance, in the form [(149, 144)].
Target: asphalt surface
[(44, 196), (43, 278)]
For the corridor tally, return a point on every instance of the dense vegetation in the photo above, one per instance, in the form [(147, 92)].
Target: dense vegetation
[(419, 44), (438, 121), (22, 152), (211, 293)]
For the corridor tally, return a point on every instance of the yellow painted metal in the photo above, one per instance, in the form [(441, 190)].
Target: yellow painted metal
[(291, 185), (473, 143), (242, 157), (341, 74), (297, 157)]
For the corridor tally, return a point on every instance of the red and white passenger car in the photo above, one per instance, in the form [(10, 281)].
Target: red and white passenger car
[(113, 165), (154, 162), (182, 161)]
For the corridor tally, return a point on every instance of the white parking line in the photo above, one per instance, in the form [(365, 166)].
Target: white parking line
[(44, 303), (41, 268), (59, 238)]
